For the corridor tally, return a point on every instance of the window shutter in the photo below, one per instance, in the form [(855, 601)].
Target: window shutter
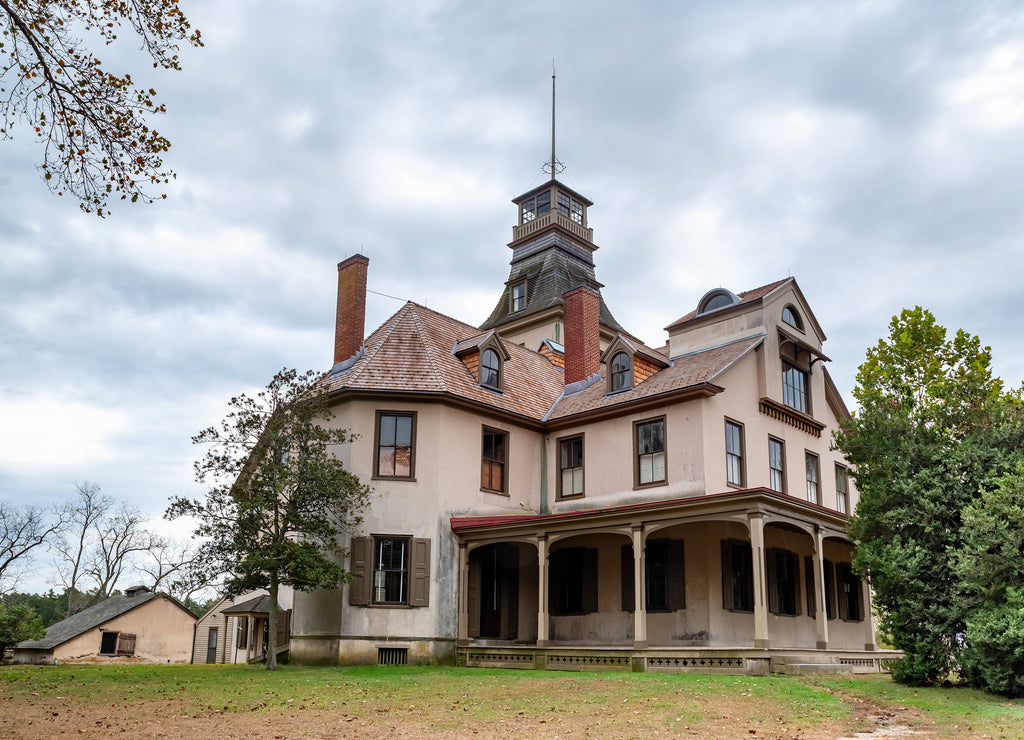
[(359, 588), (794, 569), (843, 583), (812, 603), (830, 588), (727, 585), (126, 644), (628, 597), (284, 619), (771, 555), (473, 598), (419, 594), (556, 576), (589, 580), (675, 574)]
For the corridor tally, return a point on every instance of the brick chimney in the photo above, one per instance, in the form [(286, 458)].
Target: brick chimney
[(348, 328), (582, 334)]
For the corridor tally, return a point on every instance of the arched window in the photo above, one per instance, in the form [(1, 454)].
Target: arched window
[(791, 317), (715, 299), (490, 369), (622, 376)]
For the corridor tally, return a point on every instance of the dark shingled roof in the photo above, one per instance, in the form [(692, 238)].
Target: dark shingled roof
[(256, 605), (91, 618)]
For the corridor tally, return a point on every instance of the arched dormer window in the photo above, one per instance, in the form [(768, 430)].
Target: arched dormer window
[(621, 372), (490, 369), (716, 299), (791, 317)]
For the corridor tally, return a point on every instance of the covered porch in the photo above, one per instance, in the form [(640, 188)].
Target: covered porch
[(748, 581), (252, 630)]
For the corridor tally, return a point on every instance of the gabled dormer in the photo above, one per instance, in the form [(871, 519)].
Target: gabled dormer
[(485, 356), (627, 364)]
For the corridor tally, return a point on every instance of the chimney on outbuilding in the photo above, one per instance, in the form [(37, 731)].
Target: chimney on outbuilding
[(582, 334), (348, 328)]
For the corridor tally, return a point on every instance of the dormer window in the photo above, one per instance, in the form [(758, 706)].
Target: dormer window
[(621, 372), (518, 297), (716, 299), (791, 317), (490, 369)]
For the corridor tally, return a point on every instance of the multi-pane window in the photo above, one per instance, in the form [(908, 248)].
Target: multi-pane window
[(665, 576), (518, 297), (490, 369), (791, 317), (734, 453), (395, 444), (776, 465), (650, 452), (571, 466), (842, 486), (391, 570), (737, 576), (794, 388), (812, 477), (621, 372), (570, 207), (783, 569), (849, 593), (543, 202), (492, 465)]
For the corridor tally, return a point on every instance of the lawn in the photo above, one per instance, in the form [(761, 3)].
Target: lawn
[(296, 702)]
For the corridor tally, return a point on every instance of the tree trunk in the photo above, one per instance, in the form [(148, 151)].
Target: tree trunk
[(271, 659)]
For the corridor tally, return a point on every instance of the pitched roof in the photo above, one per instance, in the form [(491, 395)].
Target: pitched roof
[(91, 618), (746, 297), (255, 605), (412, 352)]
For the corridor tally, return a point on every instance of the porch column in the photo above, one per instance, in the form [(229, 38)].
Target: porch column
[(542, 591), (820, 606), (250, 644), (869, 620), (760, 586), (639, 590), (463, 636)]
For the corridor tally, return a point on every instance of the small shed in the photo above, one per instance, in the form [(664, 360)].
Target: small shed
[(234, 630), (141, 626)]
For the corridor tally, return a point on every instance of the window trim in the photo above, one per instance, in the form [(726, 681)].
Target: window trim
[(808, 456), (582, 466), (375, 543), (512, 297), (741, 455), (842, 494), (628, 372), (504, 462), (782, 461), (798, 322), (636, 452), (376, 445), (787, 388), (499, 370)]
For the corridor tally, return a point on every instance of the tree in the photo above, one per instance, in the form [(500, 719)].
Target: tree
[(277, 498), (990, 565), (95, 127), (18, 622), (121, 538), (926, 435), (22, 530), (72, 548)]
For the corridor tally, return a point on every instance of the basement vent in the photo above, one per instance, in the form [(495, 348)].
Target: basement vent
[(392, 656)]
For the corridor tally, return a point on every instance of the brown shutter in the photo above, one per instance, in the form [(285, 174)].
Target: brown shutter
[(589, 577), (675, 574), (419, 594), (794, 568), (628, 597), (727, 589), (473, 597), (359, 589), (812, 603), (830, 588), (556, 579), (842, 584), (771, 556), (126, 644), (284, 620)]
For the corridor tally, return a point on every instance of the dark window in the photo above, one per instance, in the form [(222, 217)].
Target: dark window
[(809, 587), (842, 486), (794, 387), (395, 444), (529, 210), (577, 211), (776, 465), (518, 297), (242, 636), (812, 477), (716, 300), (391, 570), (490, 369), (650, 452), (108, 641), (492, 467), (572, 576), (830, 589), (665, 576), (791, 317), (570, 453), (737, 576), (734, 453), (849, 593), (783, 582), (621, 372), (543, 202), (211, 644), (563, 204)]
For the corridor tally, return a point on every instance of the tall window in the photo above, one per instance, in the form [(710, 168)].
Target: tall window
[(492, 467), (518, 297), (650, 452), (490, 369), (572, 581), (391, 570), (570, 453), (737, 576), (794, 387), (395, 432), (812, 477), (849, 593), (776, 465), (842, 486), (621, 372), (783, 582), (665, 576), (734, 453)]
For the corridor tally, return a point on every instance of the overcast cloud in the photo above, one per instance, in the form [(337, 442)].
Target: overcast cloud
[(873, 150)]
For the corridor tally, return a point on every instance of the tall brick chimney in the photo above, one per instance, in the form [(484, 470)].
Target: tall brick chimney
[(582, 334), (348, 328)]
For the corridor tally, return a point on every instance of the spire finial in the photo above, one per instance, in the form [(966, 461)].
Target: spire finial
[(554, 167)]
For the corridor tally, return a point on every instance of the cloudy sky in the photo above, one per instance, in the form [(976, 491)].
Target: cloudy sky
[(873, 150)]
